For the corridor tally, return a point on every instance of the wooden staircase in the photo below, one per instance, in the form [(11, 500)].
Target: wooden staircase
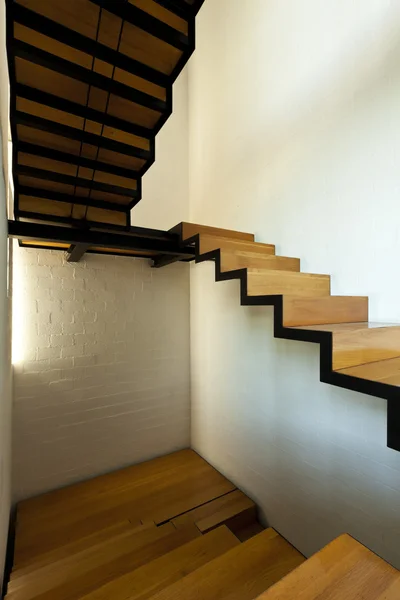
[(90, 88), (355, 353), (175, 528)]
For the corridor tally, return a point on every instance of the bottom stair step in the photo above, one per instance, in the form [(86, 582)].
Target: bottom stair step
[(343, 570), (168, 569), (240, 574), (75, 576)]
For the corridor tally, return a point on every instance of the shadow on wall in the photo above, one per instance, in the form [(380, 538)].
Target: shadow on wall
[(101, 366)]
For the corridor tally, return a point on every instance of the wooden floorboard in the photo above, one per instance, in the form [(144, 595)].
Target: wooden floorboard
[(158, 491)]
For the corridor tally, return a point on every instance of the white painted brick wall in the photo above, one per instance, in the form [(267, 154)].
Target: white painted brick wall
[(104, 380)]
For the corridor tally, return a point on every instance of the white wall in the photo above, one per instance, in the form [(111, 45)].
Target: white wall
[(165, 200), (101, 363), (294, 134), (5, 312)]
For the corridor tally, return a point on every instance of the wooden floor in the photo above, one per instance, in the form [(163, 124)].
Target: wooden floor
[(175, 528)]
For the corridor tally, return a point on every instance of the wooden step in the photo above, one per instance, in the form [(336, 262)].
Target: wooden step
[(270, 283), (188, 230), (242, 573), (74, 576), (360, 343), (324, 309), (230, 261), (208, 243), (248, 531), (343, 570), (384, 371), (74, 547), (234, 509), (149, 579), (183, 479)]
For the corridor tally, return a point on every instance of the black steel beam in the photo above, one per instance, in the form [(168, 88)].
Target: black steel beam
[(143, 20), (22, 118), (79, 110), (41, 218), (67, 36), (73, 159), (72, 70), (76, 252), (74, 181), (123, 241), (33, 192)]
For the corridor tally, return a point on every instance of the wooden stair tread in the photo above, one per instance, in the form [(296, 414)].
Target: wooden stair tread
[(303, 311), (270, 283), (188, 230), (218, 511), (183, 478), (86, 571), (208, 243), (158, 574), (360, 343), (241, 573), (230, 260), (343, 570), (384, 371), (76, 546)]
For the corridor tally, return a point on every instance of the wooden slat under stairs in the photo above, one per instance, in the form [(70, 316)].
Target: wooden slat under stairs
[(355, 353), (179, 530), (91, 86)]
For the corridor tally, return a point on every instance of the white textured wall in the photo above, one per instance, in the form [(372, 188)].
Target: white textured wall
[(294, 130), (165, 200), (101, 366)]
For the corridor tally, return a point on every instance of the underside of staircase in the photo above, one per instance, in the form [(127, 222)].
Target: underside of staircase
[(175, 528)]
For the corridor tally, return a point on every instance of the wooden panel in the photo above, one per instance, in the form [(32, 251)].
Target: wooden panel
[(49, 81), (327, 309), (162, 14), (75, 576), (219, 511), (126, 138), (385, 371), (208, 243), (52, 114), (261, 283), (240, 574), (143, 85), (101, 215), (183, 479), (119, 160), (110, 178), (235, 260), (343, 570), (53, 46), (47, 244), (50, 140), (66, 14), (132, 112), (44, 207), (54, 166), (166, 570), (149, 50), (191, 229)]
